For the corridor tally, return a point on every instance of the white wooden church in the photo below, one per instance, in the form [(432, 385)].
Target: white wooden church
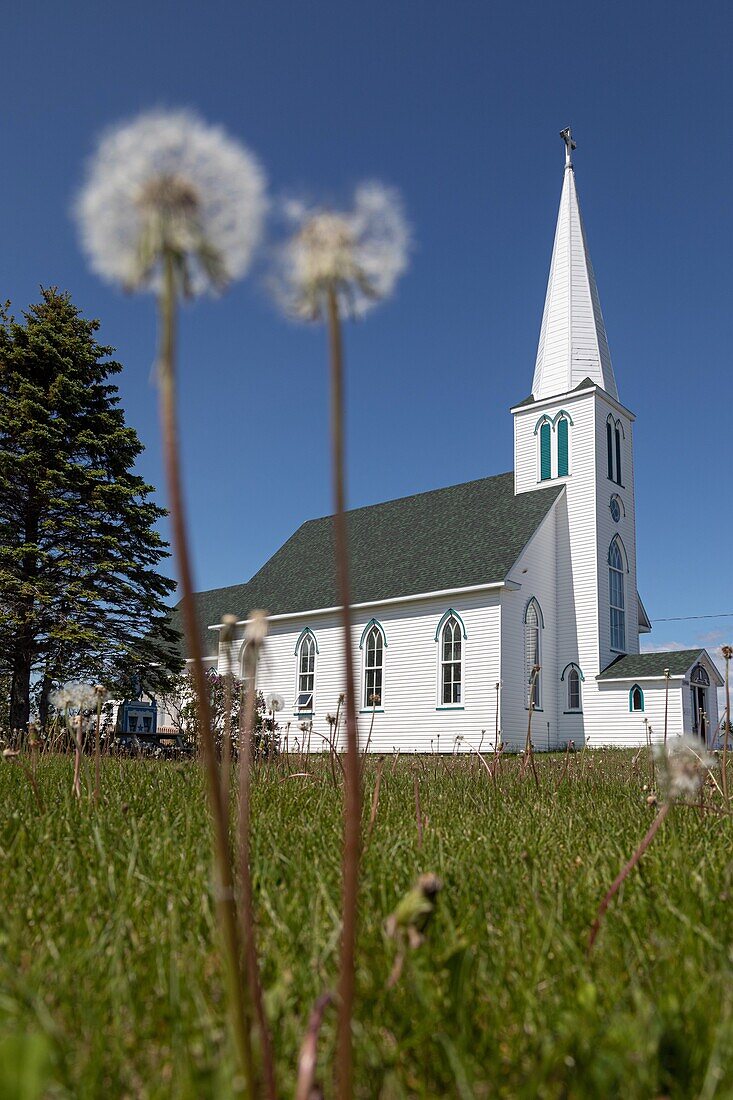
[(461, 592)]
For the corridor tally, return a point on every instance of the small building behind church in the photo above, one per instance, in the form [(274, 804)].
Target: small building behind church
[(475, 603)]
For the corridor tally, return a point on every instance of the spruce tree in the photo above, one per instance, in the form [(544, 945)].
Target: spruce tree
[(80, 594)]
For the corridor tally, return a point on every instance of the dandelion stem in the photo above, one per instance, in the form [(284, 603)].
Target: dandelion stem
[(224, 885), (352, 786), (246, 915), (97, 753), (418, 814), (727, 654), (226, 745), (309, 1049), (375, 800), (625, 871), (77, 724)]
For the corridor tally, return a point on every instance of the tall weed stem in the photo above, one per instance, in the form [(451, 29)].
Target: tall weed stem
[(240, 1009), (352, 786)]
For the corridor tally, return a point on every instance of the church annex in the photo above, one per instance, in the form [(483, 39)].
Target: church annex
[(462, 593)]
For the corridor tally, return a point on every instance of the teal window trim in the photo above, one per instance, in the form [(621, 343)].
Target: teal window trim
[(450, 706), (544, 419), (546, 452), (609, 447), (303, 713), (451, 611), (573, 664), (304, 634), (368, 627), (368, 710), (617, 436), (632, 708), (561, 413), (563, 447)]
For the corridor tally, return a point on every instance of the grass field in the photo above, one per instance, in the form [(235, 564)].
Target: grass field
[(110, 983)]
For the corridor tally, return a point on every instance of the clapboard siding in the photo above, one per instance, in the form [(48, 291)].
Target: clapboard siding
[(607, 528), (409, 718), (535, 573), (615, 724), (575, 558)]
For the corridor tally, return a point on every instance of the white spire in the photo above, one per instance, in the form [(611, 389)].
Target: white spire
[(573, 344)]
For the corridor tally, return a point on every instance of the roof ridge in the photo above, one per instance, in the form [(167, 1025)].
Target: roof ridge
[(411, 496)]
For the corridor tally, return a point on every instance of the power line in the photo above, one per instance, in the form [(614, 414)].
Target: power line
[(686, 618)]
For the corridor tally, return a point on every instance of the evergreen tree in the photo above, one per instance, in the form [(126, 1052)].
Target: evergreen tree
[(79, 592)]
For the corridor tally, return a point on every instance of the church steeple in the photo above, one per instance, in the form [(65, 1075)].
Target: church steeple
[(573, 344)]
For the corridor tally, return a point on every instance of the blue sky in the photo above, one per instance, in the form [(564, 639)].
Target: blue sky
[(459, 106)]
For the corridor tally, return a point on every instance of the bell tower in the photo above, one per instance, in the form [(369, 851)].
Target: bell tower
[(573, 430)]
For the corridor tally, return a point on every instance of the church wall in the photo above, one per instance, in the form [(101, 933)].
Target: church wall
[(607, 528), (409, 717), (614, 724), (535, 572), (576, 559)]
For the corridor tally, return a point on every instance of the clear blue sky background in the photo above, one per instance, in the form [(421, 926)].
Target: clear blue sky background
[(459, 106)]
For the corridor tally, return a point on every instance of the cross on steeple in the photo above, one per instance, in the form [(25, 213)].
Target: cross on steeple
[(567, 136)]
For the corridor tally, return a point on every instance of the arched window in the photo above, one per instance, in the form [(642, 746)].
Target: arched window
[(636, 699), (562, 447), (451, 662), (609, 447), (699, 676), (545, 452), (533, 653), (373, 667), (617, 434), (306, 675), (616, 569), (572, 677)]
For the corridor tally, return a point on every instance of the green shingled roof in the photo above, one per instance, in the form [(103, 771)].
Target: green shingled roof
[(457, 537), (635, 666)]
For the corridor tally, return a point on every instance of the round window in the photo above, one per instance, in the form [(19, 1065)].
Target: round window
[(615, 509)]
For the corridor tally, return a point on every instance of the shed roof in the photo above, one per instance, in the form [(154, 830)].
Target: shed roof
[(640, 666)]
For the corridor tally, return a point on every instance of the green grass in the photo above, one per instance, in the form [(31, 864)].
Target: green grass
[(110, 983)]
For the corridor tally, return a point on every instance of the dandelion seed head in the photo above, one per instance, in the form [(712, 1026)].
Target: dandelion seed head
[(274, 702), (74, 695), (168, 180), (359, 254), (684, 765)]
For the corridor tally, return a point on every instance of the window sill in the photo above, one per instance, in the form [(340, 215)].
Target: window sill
[(303, 713), (536, 710), (450, 706), (621, 652), (572, 712), (369, 710)]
